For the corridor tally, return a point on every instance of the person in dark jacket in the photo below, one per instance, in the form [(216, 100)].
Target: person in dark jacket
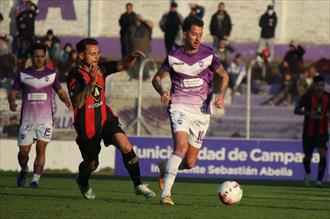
[(220, 26), (126, 20), (267, 23), (293, 59), (170, 24), (26, 21)]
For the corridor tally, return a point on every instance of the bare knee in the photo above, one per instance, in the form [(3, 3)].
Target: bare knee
[(23, 151)]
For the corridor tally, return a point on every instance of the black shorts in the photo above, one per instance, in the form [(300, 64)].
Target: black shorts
[(90, 148), (310, 143)]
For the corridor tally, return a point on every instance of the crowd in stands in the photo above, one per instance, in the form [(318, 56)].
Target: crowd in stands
[(136, 33)]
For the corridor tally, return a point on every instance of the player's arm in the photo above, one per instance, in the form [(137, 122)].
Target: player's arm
[(79, 91), (64, 98), (300, 109), (12, 95), (128, 61), (223, 84), (157, 83)]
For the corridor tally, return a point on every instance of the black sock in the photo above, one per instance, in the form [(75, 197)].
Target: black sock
[(132, 165), (322, 164), (84, 173), (307, 164)]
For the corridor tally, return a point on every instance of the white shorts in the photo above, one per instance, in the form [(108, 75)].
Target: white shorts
[(29, 133), (193, 123)]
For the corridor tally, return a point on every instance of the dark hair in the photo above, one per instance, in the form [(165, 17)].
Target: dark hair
[(221, 3), (318, 78), (81, 45), (238, 55), (37, 46), (174, 5), (129, 4), (50, 32), (1, 17), (190, 21)]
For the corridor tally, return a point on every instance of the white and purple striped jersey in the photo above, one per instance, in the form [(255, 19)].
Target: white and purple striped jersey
[(191, 77), (37, 88)]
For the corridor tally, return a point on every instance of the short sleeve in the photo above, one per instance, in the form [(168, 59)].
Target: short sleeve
[(75, 83), (216, 64), (108, 68), (165, 65), (17, 82), (57, 85)]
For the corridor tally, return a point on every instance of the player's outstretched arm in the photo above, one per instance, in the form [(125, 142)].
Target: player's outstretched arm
[(157, 83), (64, 98), (128, 61), (223, 84), (12, 99)]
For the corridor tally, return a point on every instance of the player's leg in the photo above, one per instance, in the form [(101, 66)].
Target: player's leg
[(180, 149), (308, 148), (24, 140), (191, 158), (131, 163), (89, 149), (39, 163), (323, 149), (113, 134)]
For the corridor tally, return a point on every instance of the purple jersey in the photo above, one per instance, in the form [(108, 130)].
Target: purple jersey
[(37, 89), (191, 77)]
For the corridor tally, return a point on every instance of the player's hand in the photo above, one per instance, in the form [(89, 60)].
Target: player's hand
[(69, 105), (165, 97), (220, 101), (94, 72), (13, 106)]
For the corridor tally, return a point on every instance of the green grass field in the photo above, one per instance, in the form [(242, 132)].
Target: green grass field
[(59, 198)]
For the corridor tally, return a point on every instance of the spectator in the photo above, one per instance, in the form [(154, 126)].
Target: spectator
[(20, 7), (259, 72), (23, 53), (26, 20), (237, 72), (286, 93), (220, 26), (140, 36), (5, 40), (306, 80), (222, 51), (52, 43), (196, 10), (64, 56), (170, 24), (267, 23), (293, 59), (11, 128), (70, 63), (126, 20)]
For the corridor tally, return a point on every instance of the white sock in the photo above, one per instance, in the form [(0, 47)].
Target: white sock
[(170, 173), (35, 178)]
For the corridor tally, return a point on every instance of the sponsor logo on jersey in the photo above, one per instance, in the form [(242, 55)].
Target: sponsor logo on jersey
[(96, 93)]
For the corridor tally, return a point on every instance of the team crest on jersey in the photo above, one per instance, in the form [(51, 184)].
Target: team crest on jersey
[(46, 78), (96, 93), (201, 64)]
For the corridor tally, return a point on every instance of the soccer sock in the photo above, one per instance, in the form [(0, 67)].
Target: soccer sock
[(322, 164), (37, 170), (183, 166), (307, 165), (84, 173), (23, 162), (170, 174), (132, 165)]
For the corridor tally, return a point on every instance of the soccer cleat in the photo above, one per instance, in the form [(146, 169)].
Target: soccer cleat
[(22, 177), (307, 179), (161, 166), (87, 192), (166, 200), (34, 185), (319, 184), (145, 191)]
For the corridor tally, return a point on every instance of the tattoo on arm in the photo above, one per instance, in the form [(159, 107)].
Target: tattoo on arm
[(225, 79), (157, 81), (80, 100)]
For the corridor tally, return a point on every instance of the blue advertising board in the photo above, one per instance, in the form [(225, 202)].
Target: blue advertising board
[(226, 158)]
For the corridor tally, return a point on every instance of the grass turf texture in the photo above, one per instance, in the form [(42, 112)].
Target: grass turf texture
[(59, 197)]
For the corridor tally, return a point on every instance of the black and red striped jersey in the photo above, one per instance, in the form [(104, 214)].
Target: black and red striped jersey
[(316, 119), (89, 120)]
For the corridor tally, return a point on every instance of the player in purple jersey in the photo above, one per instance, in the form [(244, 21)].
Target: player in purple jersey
[(191, 70), (37, 84)]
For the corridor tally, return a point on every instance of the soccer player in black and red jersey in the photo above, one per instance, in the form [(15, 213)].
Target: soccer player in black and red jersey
[(93, 120), (315, 104)]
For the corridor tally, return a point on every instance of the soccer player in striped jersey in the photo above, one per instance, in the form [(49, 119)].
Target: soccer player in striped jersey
[(94, 120)]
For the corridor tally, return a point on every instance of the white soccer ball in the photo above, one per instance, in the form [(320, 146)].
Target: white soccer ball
[(230, 192)]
